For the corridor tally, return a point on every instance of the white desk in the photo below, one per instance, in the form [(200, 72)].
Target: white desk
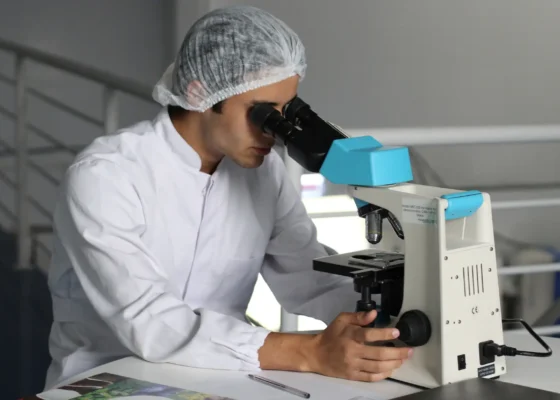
[(541, 373)]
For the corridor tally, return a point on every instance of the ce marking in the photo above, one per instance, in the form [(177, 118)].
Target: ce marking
[(474, 310)]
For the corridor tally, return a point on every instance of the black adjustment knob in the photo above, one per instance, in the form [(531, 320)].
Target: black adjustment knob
[(415, 328)]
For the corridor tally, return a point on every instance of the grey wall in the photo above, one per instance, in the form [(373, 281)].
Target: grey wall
[(442, 63), (445, 63), (379, 63), (186, 13), (130, 38), (372, 64)]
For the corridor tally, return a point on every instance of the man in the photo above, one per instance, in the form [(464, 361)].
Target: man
[(163, 227)]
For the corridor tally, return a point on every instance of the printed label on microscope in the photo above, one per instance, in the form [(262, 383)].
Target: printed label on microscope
[(419, 211)]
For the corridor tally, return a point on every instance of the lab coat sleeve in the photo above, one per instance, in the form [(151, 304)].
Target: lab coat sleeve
[(288, 268), (100, 221)]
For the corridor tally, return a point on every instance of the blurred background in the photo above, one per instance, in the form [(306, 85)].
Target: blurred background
[(471, 87)]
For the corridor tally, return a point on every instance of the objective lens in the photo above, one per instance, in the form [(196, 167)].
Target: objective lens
[(374, 227)]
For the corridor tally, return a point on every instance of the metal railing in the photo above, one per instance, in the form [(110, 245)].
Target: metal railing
[(437, 136), (27, 243), (496, 205), (22, 153)]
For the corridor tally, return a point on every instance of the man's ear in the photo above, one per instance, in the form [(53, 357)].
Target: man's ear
[(195, 93)]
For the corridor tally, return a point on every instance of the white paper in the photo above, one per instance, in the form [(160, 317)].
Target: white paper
[(58, 394), (142, 397)]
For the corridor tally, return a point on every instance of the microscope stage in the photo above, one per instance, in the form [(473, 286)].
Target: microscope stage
[(371, 263)]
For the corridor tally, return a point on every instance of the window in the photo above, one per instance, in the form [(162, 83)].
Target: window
[(342, 233)]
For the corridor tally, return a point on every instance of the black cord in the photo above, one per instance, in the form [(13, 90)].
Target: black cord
[(534, 334), (494, 349)]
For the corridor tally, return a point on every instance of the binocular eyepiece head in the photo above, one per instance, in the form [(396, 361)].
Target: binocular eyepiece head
[(306, 136)]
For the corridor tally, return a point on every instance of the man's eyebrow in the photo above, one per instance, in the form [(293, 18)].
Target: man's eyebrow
[(265, 102), (270, 103)]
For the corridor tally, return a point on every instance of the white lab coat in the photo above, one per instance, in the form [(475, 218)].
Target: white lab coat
[(156, 259)]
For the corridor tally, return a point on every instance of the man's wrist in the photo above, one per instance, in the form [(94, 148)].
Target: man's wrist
[(289, 352), (308, 349)]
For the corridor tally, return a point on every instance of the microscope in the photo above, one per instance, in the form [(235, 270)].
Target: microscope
[(432, 262)]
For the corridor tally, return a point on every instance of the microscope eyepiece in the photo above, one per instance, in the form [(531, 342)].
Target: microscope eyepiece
[(300, 114), (306, 136), (298, 111), (270, 121)]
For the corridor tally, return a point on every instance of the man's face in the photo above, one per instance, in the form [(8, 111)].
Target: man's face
[(232, 134)]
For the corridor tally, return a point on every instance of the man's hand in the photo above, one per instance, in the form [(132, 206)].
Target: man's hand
[(340, 351)]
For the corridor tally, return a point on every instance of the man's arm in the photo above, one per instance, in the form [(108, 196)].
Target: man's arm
[(100, 221), (341, 351)]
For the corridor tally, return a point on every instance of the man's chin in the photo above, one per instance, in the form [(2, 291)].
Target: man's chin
[(250, 162)]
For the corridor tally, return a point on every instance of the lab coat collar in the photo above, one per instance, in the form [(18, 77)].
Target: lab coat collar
[(186, 154)]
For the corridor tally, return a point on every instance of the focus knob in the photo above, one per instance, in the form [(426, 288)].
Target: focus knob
[(414, 327)]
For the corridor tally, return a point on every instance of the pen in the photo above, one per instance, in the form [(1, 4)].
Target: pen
[(280, 386)]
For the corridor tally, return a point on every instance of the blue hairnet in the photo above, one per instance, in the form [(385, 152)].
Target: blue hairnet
[(227, 52)]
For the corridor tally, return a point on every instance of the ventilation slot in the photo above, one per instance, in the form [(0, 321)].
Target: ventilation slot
[(473, 280)]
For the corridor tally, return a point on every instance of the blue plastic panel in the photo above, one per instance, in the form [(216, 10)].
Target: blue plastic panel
[(363, 161), (462, 204)]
